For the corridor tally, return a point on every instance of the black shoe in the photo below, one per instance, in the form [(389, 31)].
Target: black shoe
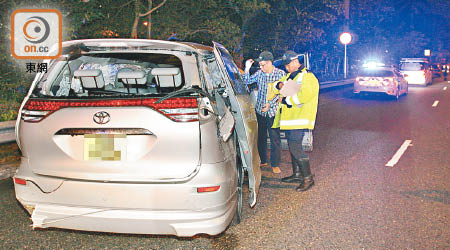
[(292, 179), (307, 184), (296, 176)]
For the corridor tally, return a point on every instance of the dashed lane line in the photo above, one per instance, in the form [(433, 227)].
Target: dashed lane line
[(435, 104), (445, 88), (399, 153)]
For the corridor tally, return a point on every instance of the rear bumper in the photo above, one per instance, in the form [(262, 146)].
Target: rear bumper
[(138, 208), (423, 83), (212, 221), (416, 80), (374, 89)]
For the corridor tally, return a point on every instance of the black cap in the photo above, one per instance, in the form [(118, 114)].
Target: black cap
[(288, 56), (264, 56)]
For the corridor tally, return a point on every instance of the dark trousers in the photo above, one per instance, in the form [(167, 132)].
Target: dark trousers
[(265, 126), (294, 138)]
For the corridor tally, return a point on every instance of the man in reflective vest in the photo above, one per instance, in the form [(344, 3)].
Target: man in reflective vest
[(296, 115)]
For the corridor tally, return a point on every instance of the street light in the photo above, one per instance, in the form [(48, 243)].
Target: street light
[(345, 38), (427, 53)]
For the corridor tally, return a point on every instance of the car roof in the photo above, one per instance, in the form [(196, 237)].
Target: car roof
[(379, 68), (414, 60), (138, 44)]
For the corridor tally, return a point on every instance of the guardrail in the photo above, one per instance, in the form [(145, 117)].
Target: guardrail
[(7, 128), (7, 131), (331, 84)]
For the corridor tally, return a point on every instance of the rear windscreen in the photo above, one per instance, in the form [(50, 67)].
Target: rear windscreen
[(412, 66), (375, 73), (109, 74)]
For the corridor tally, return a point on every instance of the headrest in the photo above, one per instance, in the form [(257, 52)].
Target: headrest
[(165, 71), (90, 78), (87, 72), (136, 74), (132, 77)]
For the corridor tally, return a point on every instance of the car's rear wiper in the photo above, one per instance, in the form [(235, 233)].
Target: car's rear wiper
[(193, 89)]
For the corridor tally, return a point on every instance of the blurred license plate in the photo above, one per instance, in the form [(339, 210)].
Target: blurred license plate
[(373, 83), (105, 147)]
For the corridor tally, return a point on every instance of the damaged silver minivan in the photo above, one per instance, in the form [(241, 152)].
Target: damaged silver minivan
[(137, 136)]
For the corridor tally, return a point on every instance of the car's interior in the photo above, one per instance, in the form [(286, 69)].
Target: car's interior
[(112, 74)]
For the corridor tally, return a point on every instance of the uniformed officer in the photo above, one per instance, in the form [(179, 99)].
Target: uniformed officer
[(297, 114)]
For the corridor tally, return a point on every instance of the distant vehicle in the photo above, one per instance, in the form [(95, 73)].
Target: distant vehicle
[(416, 71), (137, 136), (436, 70), (378, 78), (445, 70)]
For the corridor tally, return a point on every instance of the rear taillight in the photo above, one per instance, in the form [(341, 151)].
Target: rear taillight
[(177, 109), (386, 81), (180, 109), (182, 114), (361, 80), (33, 115), (20, 181), (207, 189)]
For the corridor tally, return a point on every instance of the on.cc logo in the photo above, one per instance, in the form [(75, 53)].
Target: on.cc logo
[(36, 29)]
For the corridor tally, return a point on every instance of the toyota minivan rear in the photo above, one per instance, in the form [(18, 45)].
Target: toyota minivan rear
[(112, 140)]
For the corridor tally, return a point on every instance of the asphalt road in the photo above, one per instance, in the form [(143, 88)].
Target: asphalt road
[(357, 202)]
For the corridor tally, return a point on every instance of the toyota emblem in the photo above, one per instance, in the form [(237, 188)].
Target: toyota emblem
[(101, 117)]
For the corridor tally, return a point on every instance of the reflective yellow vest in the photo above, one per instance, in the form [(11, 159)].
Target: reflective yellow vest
[(302, 114)]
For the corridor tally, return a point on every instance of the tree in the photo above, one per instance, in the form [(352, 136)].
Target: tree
[(294, 24), (138, 15), (425, 27), (246, 11), (303, 26)]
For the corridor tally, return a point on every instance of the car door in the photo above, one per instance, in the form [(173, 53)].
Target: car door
[(244, 114)]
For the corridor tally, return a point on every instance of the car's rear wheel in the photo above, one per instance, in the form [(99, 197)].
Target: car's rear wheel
[(240, 182)]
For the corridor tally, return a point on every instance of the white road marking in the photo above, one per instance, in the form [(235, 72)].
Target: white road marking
[(399, 153), (445, 88), (435, 104)]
